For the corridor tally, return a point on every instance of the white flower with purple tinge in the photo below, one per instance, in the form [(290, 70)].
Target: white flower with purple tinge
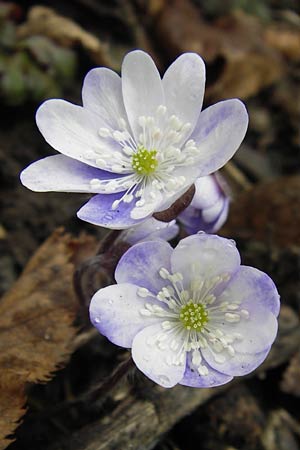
[(138, 142), (209, 208), (192, 315)]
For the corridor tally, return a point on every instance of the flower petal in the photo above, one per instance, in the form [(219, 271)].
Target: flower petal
[(151, 229), (221, 219), (219, 133), (61, 173), (153, 360), (102, 95), (207, 192), (192, 377), (74, 131), (252, 288), (211, 213), (151, 200), (140, 265), (238, 365), (210, 255), (115, 312), (98, 211), (184, 84), (142, 88)]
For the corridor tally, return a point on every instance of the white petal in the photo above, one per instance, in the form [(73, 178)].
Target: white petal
[(207, 192), (74, 131), (211, 256), (252, 286), (219, 132), (62, 174), (116, 312), (184, 84), (238, 365), (102, 95), (154, 360), (152, 200), (142, 88)]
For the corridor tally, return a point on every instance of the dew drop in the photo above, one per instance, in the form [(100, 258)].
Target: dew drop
[(97, 320)]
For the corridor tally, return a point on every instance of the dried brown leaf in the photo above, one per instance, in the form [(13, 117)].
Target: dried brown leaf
[(290, 381), (36, 323), (241, 59), (284, 39), (64, 31), (269, 212)]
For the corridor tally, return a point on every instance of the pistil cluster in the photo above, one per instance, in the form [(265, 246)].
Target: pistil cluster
[(144, 161), (193, 316)]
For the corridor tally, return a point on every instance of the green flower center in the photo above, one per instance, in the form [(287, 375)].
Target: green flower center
[(144, 161), (193, 316)]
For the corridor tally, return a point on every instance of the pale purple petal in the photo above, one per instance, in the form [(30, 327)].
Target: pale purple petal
[(240, 364), (258, 331), (192, 377), (98, 211), (116, 313), (74, 131), (210, 255), (140, 265), (250, 286), (61, 173), (219, 133), (102, 94), (151, 229), (211, 213), (215, 226), (142, 88), (194, 220), (207, 192), (152, 359), (184, 84)]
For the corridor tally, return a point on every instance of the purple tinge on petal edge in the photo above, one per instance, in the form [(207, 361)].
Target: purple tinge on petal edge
[(98, 211)]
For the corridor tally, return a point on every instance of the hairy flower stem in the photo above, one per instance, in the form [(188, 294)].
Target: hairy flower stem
[(98, 270), (108, 241), (101, 390), (98, 391)]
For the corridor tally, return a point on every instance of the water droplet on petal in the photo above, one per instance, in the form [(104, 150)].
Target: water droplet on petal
[(97, 320)]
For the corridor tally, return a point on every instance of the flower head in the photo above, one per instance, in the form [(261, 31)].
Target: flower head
[(138, 142), (192, 315), (209, 207)]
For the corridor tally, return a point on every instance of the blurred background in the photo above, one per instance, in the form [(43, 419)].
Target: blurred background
[(252, 51)]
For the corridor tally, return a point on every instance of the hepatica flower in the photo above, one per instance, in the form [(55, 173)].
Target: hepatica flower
[(209, 208), (192, 315), (138, 142)]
